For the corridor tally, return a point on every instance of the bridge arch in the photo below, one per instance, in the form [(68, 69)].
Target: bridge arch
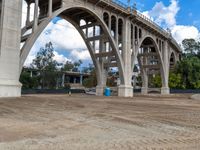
[(172, 60), (149, 59), (97, 58)]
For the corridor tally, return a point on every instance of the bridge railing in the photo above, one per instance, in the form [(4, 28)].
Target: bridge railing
[(138, 14), (168, 34)]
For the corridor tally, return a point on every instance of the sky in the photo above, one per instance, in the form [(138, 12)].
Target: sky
[(182, 17)]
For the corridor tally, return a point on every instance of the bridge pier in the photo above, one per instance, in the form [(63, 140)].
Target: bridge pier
[(165, 79), (100, 90), (125, 91), (10, 33)]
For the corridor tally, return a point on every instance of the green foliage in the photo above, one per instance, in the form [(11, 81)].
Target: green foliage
[(27, 81), (189, 69), (175, 81), (191, 46), (47, 66), (77, 64), (186, 74), (155, 81), (44, 58), (70, 66), (91, 81)]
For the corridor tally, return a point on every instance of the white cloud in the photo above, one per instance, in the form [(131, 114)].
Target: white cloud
[(82, 55), (64, 36), (165, 16), (60, 58), (180, 32)]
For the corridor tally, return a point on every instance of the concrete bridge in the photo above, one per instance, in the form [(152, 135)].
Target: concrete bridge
[(116, 36)]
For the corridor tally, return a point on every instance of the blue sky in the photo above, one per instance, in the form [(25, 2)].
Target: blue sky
[(182, 17), (189, 13)]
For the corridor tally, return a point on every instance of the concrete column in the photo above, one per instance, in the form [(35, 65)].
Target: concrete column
[(86, 32), (81, 79), (63, 80), (35, 16), (31, 74), (109, 22), (165, 72), (94, 34), (10, 48), (144, 89), (117, 31), (50, 8), (74, 80), (103, 75), (28, 14), (102, 83), (126, 89)]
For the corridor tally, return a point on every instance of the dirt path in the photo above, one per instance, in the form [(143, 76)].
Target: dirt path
[(82, 122)]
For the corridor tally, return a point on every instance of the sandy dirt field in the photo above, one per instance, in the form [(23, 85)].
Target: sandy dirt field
[(83, 122)]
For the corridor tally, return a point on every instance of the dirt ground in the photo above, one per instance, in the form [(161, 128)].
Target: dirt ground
[(84, 122)]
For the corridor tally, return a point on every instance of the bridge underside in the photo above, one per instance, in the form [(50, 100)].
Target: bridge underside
[(115, 37)]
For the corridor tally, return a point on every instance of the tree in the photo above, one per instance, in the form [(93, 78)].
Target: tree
[(77, 64), (175, 81), (191, 46), (189, 69), (92, 80), (47, 66), (186, 74), (155, 81), (27, 81), (70, 66)]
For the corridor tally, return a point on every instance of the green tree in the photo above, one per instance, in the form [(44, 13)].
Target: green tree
[(186, 74), (189, 69), (191, 46), (47, 66), (92, 80), (77, 64), (175, 81), (27, 81), (70, 66), (155, 81)]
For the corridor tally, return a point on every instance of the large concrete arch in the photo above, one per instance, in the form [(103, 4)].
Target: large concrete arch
[(31, 40), (143, 70), (153, 39)]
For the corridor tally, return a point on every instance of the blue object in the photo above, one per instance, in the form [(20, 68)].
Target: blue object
[(107, 91)]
